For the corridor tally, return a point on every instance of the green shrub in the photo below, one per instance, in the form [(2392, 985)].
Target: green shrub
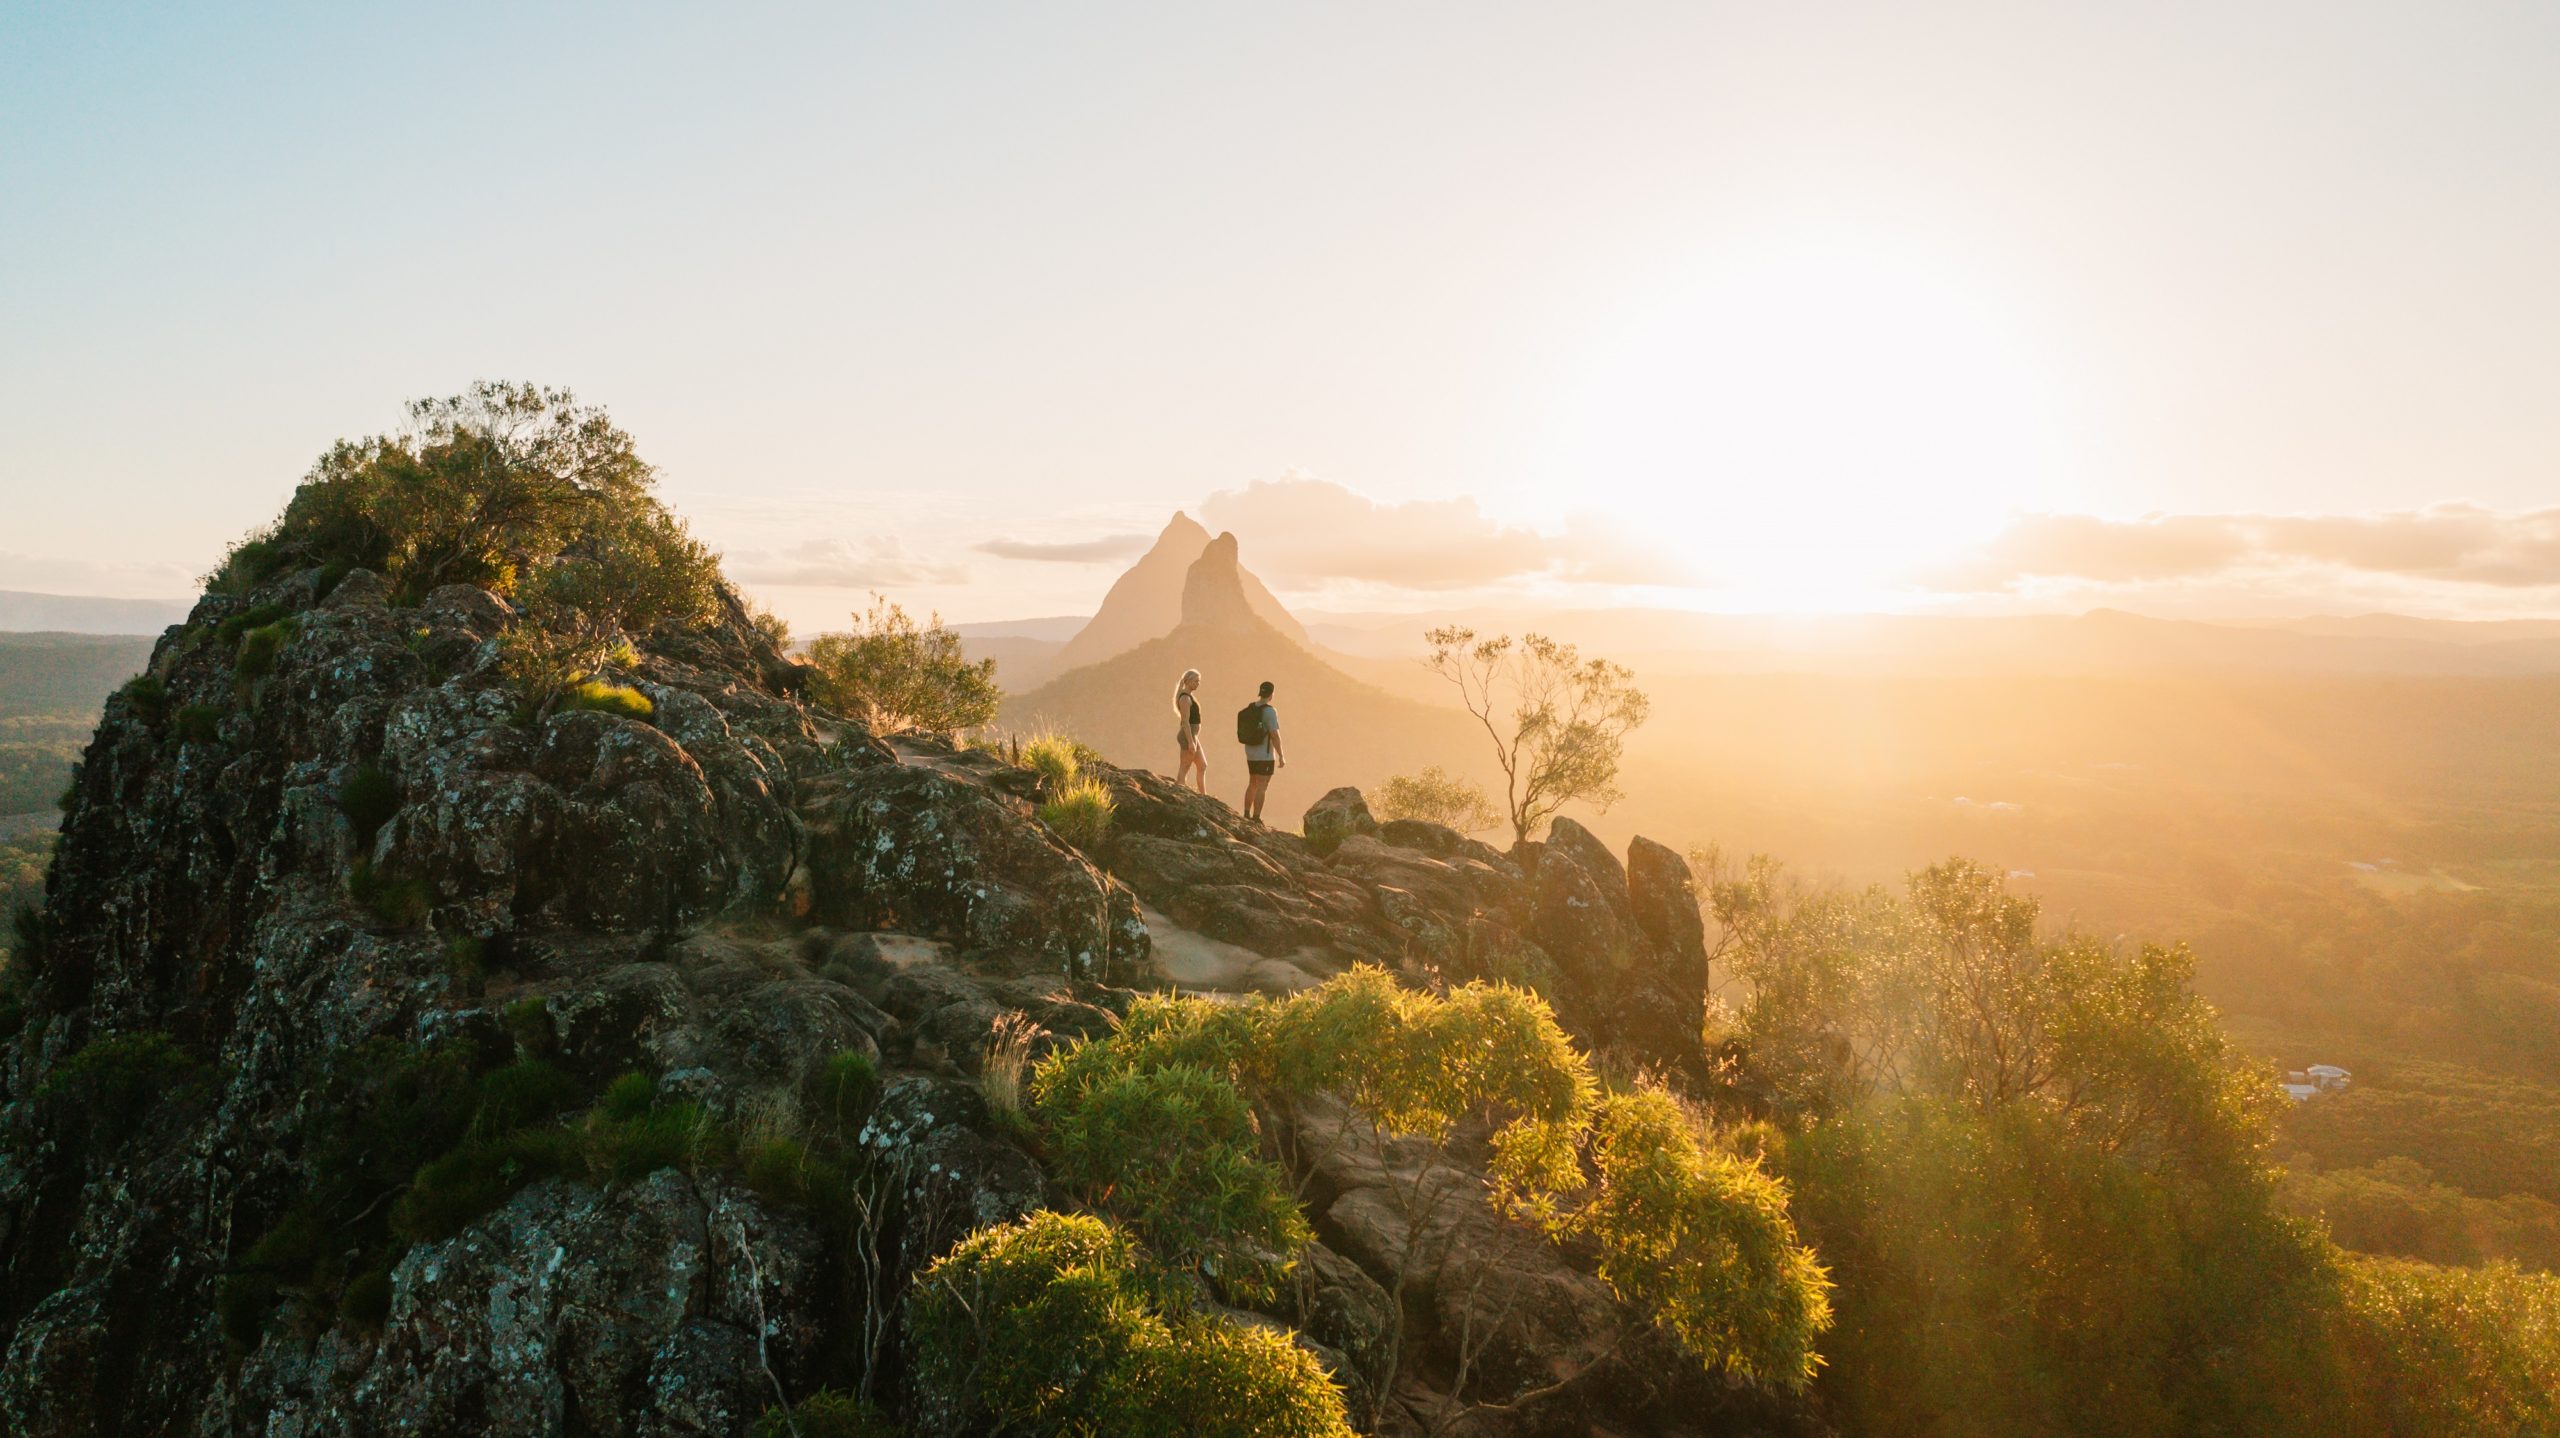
[(256, 616), (259, 648), (148, 698), (1436, 797), (603, 698), (465, 957), (200, 723), (2451, 1351), (893, 674), (1056, 1324), (367, 1299), (1053, 758), (1154, 1124), (401, 903), (1207, 1199), (628, 1097), (368, 798), (243, 1302), (112, 1085), (1079, 812), (850, 1081), (777, 1168), (528, 1022), (454, 1190), (825, 1414), (667, 1135), (525, 1092), (251, 562), (1702, 1241)]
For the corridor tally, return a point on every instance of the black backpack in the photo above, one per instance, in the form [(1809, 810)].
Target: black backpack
[(1249, 728)]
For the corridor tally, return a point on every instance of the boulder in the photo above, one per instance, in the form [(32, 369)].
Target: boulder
[(1339, 815)]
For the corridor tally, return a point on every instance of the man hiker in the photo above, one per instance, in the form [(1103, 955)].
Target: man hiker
[(1258, 729)]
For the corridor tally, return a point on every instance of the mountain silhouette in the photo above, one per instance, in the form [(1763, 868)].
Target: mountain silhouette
[(1336, 729), (1146, 601)]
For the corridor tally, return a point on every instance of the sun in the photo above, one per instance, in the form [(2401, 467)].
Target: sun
[(1812, 419)]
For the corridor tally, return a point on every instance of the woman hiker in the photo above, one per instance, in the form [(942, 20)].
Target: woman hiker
[(1186, 734)]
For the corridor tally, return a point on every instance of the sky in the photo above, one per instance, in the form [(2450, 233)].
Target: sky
[(2200, 309)]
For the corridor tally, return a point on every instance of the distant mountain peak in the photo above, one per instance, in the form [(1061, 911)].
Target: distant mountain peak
[(1155, 594), (1213, 593)]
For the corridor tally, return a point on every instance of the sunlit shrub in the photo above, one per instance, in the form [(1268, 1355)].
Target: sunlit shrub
[(1172, 1152), (1701, 1240), (1052, 757), (1436, 797), (1154, 1125), (893, 673), (1055, 1324), (603, 698), (1079, 812)]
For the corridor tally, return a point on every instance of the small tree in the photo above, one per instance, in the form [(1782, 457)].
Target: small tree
[(1559, 722), (1436, 797), (893, 674), (639, 570)]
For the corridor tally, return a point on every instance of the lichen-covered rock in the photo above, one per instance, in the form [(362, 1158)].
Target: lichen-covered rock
[(931, 851), (673, 1306)]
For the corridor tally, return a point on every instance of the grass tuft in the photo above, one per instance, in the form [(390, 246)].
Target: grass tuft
[(1080, 813), (605, 698)]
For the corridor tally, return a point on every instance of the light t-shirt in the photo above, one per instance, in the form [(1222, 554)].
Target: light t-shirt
[(1270, 726)]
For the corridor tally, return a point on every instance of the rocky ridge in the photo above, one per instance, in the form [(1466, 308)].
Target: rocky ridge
[(325, 851)]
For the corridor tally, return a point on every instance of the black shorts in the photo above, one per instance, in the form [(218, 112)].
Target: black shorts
[(1264, 767)]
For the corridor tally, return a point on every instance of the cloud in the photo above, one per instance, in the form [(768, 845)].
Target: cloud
[(881, 562), (1072, 551), (1299, 532), (2456, 543), (2080, 546)]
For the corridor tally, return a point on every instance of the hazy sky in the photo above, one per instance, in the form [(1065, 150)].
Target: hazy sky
[(2190, 307)]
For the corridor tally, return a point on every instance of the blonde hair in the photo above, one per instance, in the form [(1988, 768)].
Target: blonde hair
[(1189, 676)]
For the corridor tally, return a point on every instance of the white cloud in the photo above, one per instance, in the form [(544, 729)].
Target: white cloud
[(1070, 551), (879, 562)]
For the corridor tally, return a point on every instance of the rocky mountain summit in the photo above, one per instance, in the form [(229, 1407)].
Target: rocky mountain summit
[(398, 1056)]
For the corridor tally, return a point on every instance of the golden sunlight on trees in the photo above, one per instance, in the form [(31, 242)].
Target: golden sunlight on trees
[(893, 674), (1187, 1092), (1559, 722), (1435, 796)]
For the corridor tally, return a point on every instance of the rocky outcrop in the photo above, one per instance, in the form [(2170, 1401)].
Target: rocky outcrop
[(1603, 940), (330, 853), (363, 984)]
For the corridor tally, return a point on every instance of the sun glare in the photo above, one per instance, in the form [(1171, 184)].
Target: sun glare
[(1813, 420)]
